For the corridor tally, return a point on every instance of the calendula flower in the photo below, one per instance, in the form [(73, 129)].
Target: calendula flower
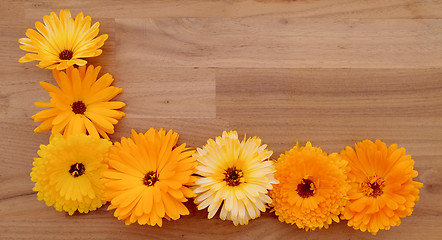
[(67, 173), (62, 42), (382, 186), (147, 177), (81, 104), (313, 187), (236, 175)]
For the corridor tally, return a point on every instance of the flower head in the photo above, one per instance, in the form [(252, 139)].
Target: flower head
[(67, 173), (382, 186), (312, 189), (146, 178), (81, 104), (236, 175), (62, 42)]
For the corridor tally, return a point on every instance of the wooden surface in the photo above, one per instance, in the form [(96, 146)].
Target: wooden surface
[(331, 72)]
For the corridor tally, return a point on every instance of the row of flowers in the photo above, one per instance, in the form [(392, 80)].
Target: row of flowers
[(147, 177)]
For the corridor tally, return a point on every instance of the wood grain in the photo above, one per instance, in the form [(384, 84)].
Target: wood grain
[(244, 8), (330, 72), (280, 42)]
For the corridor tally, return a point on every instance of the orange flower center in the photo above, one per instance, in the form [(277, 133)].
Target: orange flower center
[(233, 176), (373, 187), (78, 107), (306, 188), (66, 55), (150, 178), (77, 169)]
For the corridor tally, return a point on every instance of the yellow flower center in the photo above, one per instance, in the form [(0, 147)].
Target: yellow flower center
[(150, 178), (78, 107), (373, 187), (306, 188), (66, 55), (77, 169), (233, 176)]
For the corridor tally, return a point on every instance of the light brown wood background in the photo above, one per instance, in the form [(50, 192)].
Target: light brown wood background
[(331, 72)]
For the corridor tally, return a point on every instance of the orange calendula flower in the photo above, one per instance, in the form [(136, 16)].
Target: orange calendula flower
[(382, 186), (62, 42), (312, 189), (147, 177), (81, 103)]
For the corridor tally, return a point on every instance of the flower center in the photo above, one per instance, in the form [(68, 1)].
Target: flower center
[(373, 187), (77, 169), (66, 55), (78, 107), (150, 178), (233, 176), (306, 188)]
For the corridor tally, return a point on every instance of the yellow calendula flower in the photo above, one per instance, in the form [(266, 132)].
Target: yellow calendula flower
[(313, 187), (81, 104), (147, 177), (67, 173), (235, 176), (62, 42), (382, 186)]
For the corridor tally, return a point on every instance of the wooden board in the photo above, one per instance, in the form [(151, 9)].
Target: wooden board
[(330, 72)]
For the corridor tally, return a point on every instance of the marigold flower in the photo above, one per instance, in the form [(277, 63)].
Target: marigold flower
[(236, 175), (62, 42), (81, 104), (147, 177), (67, 174), (312, 189), (382, 186)]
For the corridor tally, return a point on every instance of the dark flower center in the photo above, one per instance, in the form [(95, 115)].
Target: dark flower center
[(373, 187), (77, 169), (78, 107), (306, 188), (150, 178), (66, 55), (233, 176)]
